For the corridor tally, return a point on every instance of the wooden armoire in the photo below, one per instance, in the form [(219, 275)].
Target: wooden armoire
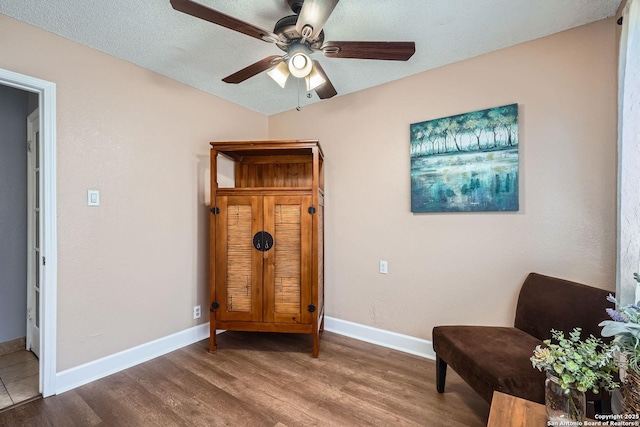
[(267, 248)]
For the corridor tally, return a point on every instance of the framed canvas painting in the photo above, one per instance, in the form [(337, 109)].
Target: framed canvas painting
[(466, 163)]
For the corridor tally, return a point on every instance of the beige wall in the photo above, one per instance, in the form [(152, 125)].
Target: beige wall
[(131, 270), (468, 267)]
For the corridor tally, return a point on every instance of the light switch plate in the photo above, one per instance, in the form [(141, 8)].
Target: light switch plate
[(383, 267), (93, 198)]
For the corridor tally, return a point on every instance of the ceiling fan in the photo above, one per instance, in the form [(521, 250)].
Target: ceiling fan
[(299, 36)]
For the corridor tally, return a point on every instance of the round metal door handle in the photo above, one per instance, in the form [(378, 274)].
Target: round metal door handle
[(262, 241)]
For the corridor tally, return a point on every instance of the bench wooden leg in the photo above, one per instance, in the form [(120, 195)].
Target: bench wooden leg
[(441, 374)]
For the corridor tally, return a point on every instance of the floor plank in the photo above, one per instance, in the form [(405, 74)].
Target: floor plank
[(259, 379)]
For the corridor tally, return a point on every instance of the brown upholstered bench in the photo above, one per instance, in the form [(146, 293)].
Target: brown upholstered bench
[(492, 358)]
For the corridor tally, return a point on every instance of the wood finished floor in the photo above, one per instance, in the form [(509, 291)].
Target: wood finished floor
[(260, 379)]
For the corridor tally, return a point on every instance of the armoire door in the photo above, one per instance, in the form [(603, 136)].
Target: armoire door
[(287, 267), (238, 266)]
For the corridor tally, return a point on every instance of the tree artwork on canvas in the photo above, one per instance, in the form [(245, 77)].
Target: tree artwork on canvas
[(466, 163)]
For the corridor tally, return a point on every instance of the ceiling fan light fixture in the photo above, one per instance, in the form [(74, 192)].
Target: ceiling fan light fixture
[(314, 80), (280, 73), (300, 64)]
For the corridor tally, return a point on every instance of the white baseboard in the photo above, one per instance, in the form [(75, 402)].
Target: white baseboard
[(83, 374), (400, 342)]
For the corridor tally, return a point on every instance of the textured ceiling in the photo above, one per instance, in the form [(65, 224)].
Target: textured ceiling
[(152, 34)]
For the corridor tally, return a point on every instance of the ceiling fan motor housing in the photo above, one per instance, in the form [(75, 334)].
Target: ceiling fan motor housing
[(295, 5), (286, 28)]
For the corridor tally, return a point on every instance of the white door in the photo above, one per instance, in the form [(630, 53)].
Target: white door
[(34, 260)]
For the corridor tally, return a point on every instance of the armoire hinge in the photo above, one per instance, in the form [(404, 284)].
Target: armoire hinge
[(311, 210), (215, 210)]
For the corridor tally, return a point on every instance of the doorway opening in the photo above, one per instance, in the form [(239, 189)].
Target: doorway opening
[(19, 370), (42, 239)]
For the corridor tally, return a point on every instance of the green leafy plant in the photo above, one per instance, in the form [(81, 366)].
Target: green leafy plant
[(625, 327), (583, 365)]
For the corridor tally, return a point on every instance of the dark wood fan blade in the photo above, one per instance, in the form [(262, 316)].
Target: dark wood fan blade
[(388, 51), (314, 13), (253, 69), (326, 90), (199, 11)]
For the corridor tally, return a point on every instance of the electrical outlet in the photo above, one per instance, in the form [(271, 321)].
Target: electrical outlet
[(196, 312), (383, 267)]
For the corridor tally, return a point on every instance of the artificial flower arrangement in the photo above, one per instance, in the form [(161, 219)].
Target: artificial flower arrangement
[(573, 366), (582, 365)]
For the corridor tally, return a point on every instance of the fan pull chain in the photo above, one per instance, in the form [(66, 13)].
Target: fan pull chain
[(299, 108)]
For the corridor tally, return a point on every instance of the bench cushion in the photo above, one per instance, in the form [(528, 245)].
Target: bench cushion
[(492, 358)]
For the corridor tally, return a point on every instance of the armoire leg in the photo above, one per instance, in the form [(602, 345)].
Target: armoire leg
[(316, 344), (213, 346)]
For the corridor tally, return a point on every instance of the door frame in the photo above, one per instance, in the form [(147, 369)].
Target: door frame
[(49, 247)]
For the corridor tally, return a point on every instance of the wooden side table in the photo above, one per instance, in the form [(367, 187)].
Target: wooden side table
[(511, 411)]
